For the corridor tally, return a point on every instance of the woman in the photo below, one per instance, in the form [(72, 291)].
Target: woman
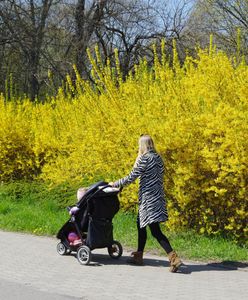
[(149, 168)]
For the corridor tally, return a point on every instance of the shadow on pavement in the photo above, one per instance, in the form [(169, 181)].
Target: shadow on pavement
[(218, 266), (187, 268)]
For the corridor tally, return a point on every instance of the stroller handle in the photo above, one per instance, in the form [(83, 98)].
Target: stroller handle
[(101, 188)]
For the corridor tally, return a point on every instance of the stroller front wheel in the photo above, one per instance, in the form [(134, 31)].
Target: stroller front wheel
[(84, 255), (61, 248), (115, 250)]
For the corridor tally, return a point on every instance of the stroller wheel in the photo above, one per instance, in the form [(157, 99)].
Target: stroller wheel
[(61, 249), (115, 250), (84, 255)]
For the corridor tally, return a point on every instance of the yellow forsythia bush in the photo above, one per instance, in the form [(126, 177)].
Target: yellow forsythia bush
[(197, 114)]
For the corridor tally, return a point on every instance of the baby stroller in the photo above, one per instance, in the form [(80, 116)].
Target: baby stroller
[(91, 221)]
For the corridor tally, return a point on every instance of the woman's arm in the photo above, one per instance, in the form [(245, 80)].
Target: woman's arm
[(138, 168)]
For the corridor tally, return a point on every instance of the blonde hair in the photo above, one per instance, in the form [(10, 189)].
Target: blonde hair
[(145, 144)]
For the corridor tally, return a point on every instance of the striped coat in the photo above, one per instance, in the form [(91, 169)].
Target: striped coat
[(149, 168)]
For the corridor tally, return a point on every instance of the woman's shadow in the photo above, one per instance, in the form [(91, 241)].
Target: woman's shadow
[(99, 260)]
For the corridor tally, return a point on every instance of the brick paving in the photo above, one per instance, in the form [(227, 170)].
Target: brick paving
[(31, 268)]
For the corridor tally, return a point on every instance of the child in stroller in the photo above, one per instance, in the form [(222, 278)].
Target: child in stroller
[(90, 224)]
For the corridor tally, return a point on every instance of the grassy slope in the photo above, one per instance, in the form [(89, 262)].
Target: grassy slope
[(33, 208)]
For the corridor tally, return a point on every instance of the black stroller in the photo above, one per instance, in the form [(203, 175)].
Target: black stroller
[(92, 223)]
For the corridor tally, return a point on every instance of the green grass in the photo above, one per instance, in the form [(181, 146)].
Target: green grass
[(33, 208)]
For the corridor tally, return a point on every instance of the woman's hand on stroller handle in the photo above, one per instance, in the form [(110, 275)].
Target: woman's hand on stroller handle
[(109, 188), (112, 184)]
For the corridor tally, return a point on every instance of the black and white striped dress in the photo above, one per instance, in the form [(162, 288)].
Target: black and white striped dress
[(149, 168)]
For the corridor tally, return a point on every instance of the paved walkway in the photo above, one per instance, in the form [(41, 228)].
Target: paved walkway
[(30, 268)]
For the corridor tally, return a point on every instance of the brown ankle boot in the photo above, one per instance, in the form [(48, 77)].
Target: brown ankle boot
[(136, 258), (175, 261)]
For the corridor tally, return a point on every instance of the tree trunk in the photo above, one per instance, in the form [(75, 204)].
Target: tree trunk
[(86, 23)]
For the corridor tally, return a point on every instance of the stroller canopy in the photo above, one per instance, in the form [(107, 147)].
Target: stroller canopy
[(101, 201)]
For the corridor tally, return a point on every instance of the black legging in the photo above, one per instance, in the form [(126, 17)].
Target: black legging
[(156, 232)]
